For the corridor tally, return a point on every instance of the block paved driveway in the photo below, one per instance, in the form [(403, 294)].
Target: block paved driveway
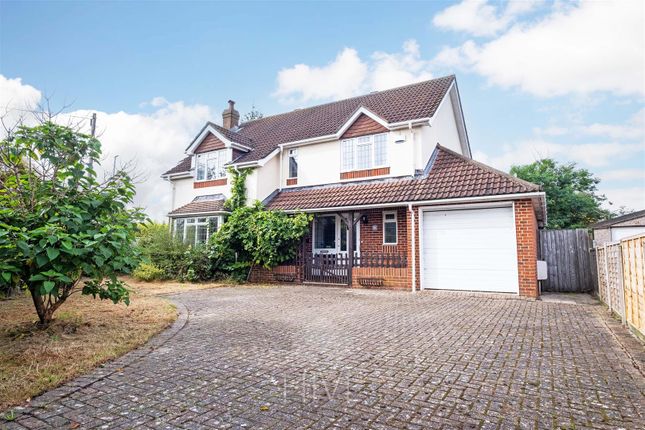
[(315, 357)]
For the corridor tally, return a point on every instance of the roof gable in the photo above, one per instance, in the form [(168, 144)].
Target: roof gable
[(363, 125), (209, 143)]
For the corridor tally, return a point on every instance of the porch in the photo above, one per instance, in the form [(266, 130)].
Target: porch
[(376, 257)]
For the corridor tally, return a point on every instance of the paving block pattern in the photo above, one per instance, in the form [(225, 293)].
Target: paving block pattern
[(319, 358)]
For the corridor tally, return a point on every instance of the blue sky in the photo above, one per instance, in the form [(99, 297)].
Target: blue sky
[(537, 79)]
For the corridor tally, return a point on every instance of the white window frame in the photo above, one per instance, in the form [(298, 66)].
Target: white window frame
[(211, 155), (196, 223), (396, 227), (372, 143), (293, 153)]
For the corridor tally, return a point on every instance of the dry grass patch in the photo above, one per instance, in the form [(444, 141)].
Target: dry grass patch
[(86, 332)]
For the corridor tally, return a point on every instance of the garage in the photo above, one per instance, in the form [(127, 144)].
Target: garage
[(469, 249)]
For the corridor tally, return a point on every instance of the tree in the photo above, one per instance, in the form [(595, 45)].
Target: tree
[(61, 230), (253, 114), (571, 192)]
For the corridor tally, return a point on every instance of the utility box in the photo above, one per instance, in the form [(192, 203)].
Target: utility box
[(542, 272)]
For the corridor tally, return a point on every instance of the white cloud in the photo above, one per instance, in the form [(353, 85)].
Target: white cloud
[(624, 175), (588, 154), (153, 141), (349, 75), (590, 47), (338, 79), (630, 197), (16, 100), (480, 18), (632, 129)]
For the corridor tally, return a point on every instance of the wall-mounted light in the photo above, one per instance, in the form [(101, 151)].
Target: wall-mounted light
[(400, 141), (364, 219)]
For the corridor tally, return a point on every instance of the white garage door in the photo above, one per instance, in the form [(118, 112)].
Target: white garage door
[(471, 249)]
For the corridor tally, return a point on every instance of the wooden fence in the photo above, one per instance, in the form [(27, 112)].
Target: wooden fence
[(621, 279), (569, 260)]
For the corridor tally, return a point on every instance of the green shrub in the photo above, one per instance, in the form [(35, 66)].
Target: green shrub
[(159, 248), (148, 272)]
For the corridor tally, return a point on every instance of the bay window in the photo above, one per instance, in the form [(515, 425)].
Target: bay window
[(210, 165), (365, 152), (195, 230)]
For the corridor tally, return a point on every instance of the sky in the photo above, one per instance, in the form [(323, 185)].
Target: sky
[(537, 79)]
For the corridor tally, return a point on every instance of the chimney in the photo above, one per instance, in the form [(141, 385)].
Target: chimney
[(230, 117)]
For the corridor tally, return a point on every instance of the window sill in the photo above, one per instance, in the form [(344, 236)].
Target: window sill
[(213, 183), (365, 173), (292, 181)]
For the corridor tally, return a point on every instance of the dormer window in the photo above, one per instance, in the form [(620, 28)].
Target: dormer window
[(210, 165), (365, 152)]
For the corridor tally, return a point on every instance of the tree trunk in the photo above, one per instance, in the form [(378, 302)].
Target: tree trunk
[(44, 316)]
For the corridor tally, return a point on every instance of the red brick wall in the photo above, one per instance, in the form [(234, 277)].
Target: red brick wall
[(363, 126), (365, 173), (372, 232), (213, 183), (526, 231), (261, 275), (210, 143)]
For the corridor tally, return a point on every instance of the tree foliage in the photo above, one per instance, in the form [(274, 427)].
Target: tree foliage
[(571, 193), (61, 230), (253, 114), (254, 236)]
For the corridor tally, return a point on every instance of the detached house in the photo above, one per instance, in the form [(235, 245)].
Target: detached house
[(398, 200)]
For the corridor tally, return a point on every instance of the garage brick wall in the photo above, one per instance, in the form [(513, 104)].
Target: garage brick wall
[(526, 231)]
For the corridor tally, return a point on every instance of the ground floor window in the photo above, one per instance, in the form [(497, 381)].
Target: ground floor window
[(195, 230)]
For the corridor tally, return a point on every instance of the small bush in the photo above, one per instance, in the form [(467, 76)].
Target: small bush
[(148, 272)]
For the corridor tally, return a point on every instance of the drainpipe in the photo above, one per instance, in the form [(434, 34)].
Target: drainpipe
[(281, 169), (414, 249)]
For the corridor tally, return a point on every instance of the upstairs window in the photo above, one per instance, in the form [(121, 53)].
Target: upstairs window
[(210, 165), (365, 152), (293, 163)]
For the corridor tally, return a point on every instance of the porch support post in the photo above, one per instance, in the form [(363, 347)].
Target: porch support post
[(350, 248)]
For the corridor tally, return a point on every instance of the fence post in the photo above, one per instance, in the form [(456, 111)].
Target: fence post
[(621, 282), (607, 279)]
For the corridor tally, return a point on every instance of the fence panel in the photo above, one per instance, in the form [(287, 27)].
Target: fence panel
[(621, 279), (569, 260), (633, 251)]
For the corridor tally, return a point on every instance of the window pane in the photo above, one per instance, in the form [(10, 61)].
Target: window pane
[(389, 234), (179, 229), (202, 234), (380, 150), (201, 168), (325, 232), (221, 169), (343, 236), (347, 155), (293, 167), (190, 220), (363, 153), (213, 225), (211, 168), (190, 234)]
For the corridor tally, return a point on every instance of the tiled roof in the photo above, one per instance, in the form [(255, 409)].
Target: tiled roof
[(201, 204), (410, 102), (182, 166), (451, 175), (619, 219), (414, 101)]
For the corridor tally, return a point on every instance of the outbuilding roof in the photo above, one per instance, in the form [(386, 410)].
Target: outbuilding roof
[(619, 219)]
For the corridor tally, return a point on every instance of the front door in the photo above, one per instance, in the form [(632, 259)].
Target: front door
[(330, 235)]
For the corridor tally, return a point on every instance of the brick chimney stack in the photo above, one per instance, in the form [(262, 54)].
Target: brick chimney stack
[(230, 117)]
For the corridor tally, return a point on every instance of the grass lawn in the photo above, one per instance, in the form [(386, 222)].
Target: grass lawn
[(86, 332)]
